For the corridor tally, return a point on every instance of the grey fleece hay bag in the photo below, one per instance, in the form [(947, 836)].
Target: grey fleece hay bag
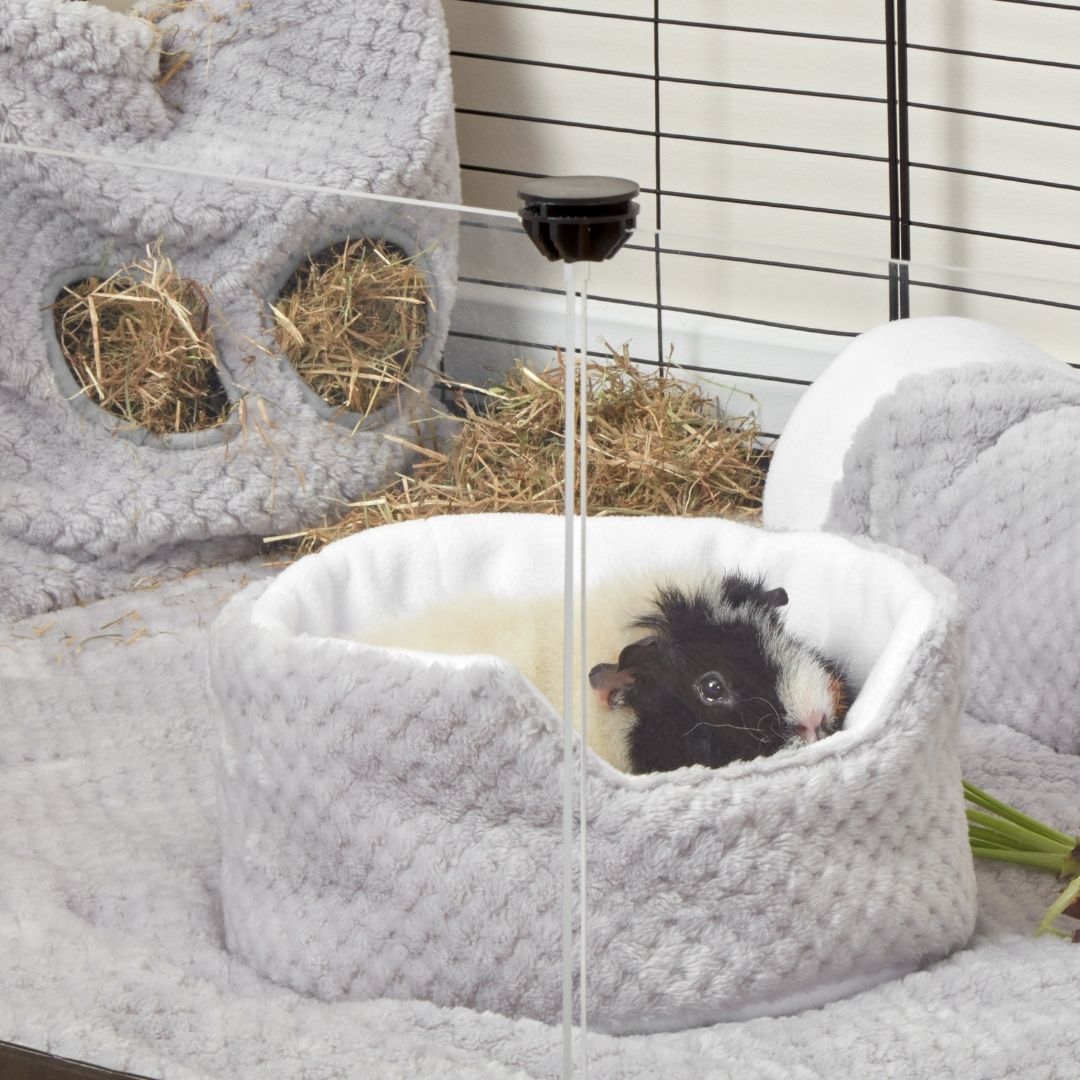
[(308, 96), (960, 443), (391, 820)]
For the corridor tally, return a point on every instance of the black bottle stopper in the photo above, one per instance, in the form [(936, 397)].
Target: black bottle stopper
[(579, 218)]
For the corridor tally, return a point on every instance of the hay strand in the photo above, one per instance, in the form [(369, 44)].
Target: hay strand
[(174, 56), (171, 61)]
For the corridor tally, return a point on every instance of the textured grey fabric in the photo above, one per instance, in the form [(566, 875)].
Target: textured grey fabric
[(977, 470), (112, 942), (392, 820), (809, 459), (317, 94), (959, 442)]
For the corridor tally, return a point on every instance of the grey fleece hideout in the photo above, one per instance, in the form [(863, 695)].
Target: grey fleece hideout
[(960, 443), (309, 98)]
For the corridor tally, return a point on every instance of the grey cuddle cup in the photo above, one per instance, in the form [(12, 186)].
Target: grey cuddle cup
[(391, 819)]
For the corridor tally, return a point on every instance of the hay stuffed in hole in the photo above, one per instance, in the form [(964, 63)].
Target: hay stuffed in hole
[(694, 666), (140, 345), (352, 321)]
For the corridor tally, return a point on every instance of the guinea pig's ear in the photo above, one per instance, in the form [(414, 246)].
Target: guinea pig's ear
[(775, 597), (740, 589)]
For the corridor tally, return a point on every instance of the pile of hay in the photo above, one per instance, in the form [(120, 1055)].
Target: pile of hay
[(352, 322), (140, 345), (656, 445)]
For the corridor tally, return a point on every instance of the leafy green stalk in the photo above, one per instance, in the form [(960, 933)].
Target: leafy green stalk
[(1020, 837), (988, 838), (1001, 832), (1071, 893), (1037, 859), (1010, 813)]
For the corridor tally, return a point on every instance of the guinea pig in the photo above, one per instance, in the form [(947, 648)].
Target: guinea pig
[(718, 679)]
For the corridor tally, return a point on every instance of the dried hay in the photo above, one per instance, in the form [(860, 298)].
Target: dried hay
[(656, 445), (353, 321), (175, 57), (139, 344), (171, 60)]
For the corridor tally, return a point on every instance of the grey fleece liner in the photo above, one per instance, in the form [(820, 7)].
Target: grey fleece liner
[(391, 819), (329, 94), (113, 945)]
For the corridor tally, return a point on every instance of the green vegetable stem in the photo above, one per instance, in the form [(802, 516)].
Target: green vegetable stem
[(999, 831)]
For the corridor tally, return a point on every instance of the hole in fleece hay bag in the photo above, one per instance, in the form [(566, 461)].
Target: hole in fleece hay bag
[(135, 349), (780, 882), (352, 319)]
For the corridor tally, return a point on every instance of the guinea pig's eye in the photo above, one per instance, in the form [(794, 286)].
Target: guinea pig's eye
[(712, 688)]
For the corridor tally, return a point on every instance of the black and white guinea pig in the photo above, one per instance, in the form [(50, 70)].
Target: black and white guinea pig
[(718, 679)]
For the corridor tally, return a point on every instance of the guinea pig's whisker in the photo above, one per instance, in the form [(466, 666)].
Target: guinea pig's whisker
[(771, 707), (768, 727), (774, 729), (733, 727), (775, 718)]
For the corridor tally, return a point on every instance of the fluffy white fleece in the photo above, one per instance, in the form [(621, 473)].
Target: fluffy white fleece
[(527, 632)]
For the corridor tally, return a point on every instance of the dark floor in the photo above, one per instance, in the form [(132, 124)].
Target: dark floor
[(18, 1063)]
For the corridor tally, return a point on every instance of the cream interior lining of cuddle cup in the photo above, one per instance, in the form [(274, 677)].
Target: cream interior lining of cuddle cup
[(861, 606)]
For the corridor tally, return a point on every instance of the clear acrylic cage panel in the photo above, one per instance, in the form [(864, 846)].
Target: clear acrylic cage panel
[(751, 325), (421, 801)]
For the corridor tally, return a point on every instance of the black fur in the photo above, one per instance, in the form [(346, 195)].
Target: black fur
[(680, 613)]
